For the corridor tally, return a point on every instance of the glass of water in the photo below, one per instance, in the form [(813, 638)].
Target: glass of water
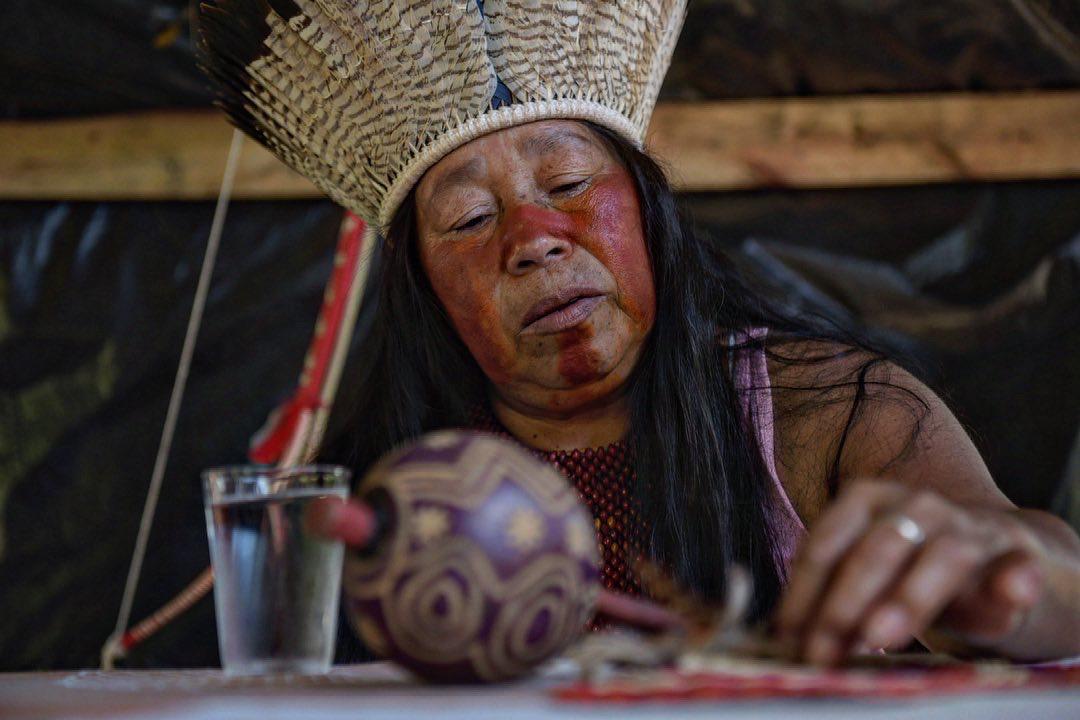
[(276, 587)]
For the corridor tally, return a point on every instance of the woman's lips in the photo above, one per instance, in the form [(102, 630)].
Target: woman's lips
[(564, 317)]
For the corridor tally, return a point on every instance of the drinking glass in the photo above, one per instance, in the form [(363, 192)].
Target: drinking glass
[(276, 587)]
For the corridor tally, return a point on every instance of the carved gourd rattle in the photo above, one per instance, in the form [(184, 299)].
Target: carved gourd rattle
[(471, 560)]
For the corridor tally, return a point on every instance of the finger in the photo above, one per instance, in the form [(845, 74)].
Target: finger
[(872, 566), (942, 571), (1012, 584), (333, 518), (875, 564), (1015, 577), (839, 527)]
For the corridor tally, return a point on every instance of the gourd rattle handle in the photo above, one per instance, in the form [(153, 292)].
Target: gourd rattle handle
[(636, 612), (351, 521)]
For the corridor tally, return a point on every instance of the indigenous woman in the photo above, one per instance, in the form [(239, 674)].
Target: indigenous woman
[(536, 281)]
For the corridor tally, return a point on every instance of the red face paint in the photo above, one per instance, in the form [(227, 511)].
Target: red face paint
[(611, 230), (577, 362)]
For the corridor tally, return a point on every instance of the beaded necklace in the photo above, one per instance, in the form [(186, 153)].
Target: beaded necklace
[(604, 478)]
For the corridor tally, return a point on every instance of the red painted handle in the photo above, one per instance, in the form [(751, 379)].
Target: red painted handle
[(636, 612), (350, 521)]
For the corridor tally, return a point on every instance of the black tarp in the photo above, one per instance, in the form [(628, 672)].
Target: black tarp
[(759, 48), (94, 296), (94, 301)]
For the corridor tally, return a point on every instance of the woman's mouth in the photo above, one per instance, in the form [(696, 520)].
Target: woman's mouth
[(553, 315)]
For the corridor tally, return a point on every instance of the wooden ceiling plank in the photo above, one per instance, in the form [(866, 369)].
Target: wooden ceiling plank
[(853, 141)]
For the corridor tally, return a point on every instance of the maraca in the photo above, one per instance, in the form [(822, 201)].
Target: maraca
[(477, 562)]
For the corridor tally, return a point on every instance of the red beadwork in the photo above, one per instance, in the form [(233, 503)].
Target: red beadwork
[(604, 477)]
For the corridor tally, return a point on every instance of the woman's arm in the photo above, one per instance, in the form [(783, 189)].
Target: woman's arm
[(919, 541)]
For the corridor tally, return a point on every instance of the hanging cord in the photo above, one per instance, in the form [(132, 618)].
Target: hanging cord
[(1052, 32), (113, 647)]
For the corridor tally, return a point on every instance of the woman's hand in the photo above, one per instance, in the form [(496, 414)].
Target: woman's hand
[(887, 563)]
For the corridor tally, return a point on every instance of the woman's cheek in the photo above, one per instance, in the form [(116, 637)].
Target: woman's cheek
[(481, 331), (639, 292), (610, 221), (471, 304)]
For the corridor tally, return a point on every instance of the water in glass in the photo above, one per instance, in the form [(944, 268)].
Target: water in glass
[(276, 587)]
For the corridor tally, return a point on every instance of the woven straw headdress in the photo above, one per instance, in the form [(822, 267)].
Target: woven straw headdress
[(362, 97)]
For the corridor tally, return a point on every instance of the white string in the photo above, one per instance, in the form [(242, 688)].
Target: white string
[(1055, 35), (112, 649)]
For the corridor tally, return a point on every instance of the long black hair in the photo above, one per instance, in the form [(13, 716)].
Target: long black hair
[(703, 486)]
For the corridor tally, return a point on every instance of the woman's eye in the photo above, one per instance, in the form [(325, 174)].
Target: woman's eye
[(471, 223), (567, 187)]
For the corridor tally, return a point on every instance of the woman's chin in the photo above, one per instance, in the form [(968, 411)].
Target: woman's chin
[(559, 393)]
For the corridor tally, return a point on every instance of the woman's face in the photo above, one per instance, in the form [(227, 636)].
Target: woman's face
[(531, 238)]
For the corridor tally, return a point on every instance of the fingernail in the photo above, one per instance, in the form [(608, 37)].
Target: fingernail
[(888, 625), (1023, 585), (822, 649)]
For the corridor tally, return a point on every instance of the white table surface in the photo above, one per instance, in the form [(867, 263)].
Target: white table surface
[(379, 690)]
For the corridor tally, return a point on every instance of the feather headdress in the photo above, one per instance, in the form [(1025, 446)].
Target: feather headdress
[(363, 96)]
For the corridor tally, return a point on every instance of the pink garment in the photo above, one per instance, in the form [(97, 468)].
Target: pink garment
[(751, 376)]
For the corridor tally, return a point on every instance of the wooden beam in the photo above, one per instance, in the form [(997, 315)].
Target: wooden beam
[(796, 143), (866, 141), (144, 156)]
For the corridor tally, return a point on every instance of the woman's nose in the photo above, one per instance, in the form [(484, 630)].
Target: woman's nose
[(535, 239), (536, 252)]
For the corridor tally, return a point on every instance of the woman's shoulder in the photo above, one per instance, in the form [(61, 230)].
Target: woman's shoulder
[(812, 395), (844, 408), (842, 412)]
